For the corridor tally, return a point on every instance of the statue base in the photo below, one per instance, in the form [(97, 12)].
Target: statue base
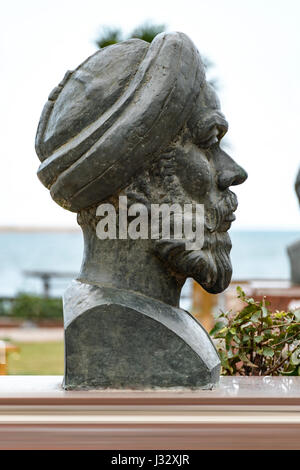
[(293, 251), (121, 339)]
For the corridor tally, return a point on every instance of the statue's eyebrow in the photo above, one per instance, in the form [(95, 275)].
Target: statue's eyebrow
[(214, 119)]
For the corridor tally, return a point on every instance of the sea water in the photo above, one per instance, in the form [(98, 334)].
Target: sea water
[(255, 254)]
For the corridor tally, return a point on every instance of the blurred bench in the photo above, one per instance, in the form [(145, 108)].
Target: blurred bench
[(47, 276)]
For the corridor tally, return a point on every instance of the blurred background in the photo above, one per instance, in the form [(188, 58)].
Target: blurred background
[(251, 50)]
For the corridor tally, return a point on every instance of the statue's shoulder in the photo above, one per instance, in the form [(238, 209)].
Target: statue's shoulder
[(81, 297), (122, 339)]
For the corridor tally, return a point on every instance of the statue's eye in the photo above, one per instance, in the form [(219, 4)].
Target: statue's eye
[(211, 137)]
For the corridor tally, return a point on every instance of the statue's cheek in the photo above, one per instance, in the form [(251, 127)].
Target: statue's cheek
[(195, 174)]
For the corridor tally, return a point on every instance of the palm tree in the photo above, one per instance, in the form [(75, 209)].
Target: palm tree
[(109, 36)]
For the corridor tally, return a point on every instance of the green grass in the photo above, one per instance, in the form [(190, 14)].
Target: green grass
[(37, 359)]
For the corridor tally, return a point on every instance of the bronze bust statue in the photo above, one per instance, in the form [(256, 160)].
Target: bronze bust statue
[(139, 122), (293, 250)]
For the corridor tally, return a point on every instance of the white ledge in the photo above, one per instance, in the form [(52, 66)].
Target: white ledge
[(242, 413)]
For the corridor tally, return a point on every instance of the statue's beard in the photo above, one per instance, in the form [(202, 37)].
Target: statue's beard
[(210, 266)]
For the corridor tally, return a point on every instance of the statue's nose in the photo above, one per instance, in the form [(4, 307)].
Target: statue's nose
[(228, 171)]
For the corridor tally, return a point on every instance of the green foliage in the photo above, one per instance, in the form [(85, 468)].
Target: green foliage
[(38, 358), (256, 341), (146, 31), (32, 307), (109, 36)]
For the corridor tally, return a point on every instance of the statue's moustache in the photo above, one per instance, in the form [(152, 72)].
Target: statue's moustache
[(219, 217)]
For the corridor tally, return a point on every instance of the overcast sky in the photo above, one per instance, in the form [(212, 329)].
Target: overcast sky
[(255, 45)]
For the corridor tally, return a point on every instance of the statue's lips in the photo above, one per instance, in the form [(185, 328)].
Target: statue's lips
[(222, 213)]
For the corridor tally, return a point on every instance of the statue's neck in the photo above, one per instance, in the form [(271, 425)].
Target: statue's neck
[(128, 264)]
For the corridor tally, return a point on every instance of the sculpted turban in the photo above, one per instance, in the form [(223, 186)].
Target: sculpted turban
[(114, 115)]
